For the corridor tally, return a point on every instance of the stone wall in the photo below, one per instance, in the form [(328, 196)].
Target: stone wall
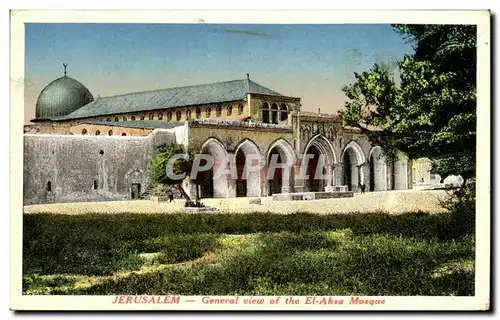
[(66, 168)]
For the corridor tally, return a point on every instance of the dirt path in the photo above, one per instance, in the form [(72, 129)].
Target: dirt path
[(388, 201)]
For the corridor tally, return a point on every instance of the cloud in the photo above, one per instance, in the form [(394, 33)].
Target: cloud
[(247, 32)]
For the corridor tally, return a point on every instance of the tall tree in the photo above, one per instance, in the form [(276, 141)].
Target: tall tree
[(431, 112)]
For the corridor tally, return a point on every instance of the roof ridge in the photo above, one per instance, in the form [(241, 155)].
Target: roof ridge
[(171, 88)]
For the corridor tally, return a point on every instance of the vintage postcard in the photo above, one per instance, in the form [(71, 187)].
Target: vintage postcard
[(250, 160)]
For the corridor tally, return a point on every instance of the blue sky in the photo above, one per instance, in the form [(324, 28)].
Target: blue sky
[(309, 61)]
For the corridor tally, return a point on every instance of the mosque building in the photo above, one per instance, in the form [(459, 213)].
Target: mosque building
[(86, 148)]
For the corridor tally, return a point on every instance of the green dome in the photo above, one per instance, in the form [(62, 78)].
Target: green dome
[(61, 97)]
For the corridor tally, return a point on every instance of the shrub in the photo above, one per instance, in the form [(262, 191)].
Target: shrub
[(461, 203)]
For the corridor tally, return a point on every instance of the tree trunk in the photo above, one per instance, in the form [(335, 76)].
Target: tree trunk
[(183, 193)]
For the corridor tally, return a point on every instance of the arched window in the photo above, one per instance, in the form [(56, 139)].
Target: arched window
[(208, 112), (124, 134), (274, 113), (178, 115), (188, 114), (110, 132), (218, 111), (84, 131), (97, 133), (108, 119), (95, 185), (229, 110), (132, 118), (169, 116), (151, 116), (142, 117), (125, 118), (283, 112), (160, 116), (240, 109), (116, 119), (198, 113), (265, 113), (48, 188)]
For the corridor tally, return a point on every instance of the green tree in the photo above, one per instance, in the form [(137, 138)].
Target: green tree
[(160, 164), (431, 111)]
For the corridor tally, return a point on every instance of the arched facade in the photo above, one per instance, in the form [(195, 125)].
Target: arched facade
[(280, 160), (320, 167), (353, 166), (247, 156), (210, 187)]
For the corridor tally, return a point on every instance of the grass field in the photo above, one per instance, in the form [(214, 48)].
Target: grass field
[(249, 254)]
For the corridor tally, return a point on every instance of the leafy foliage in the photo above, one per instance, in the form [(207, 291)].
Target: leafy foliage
[(160, 164), (432, 111)]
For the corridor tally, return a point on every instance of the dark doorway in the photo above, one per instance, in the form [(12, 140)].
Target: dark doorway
[(276, 183), (135, 190), (372, 173), (313, 183), (347, 169), (206, 181), (241, 182)]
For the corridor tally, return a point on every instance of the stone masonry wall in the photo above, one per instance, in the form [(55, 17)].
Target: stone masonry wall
[(87, 168)]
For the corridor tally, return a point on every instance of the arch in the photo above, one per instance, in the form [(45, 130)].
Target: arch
[(353, 160), (208, 113), (124, 118), (325, 145), (218, 111), (248, 183), (216, 145), (229, 110), (116, 119), (360, 156), (48, 187), (286, 148), (240, 109), (97, 132), (248, 145), (108, 119), (142, 117), (132, 118), (188, 114), (169, 116), (198, 113), (378, 169), (160, 116), (151, 116), (84, 131), (278, 180), (210, 187), (319, 146), (265, 112), (178, 115), (110, 132), (124, 134)]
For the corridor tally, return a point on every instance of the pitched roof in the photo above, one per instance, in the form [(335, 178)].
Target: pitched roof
[(136, 124), (170, 98)]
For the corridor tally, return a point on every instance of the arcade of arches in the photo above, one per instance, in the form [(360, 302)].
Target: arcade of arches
[(327, 168)]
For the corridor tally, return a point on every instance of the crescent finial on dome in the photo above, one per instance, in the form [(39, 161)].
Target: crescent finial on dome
[(65, 65)]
